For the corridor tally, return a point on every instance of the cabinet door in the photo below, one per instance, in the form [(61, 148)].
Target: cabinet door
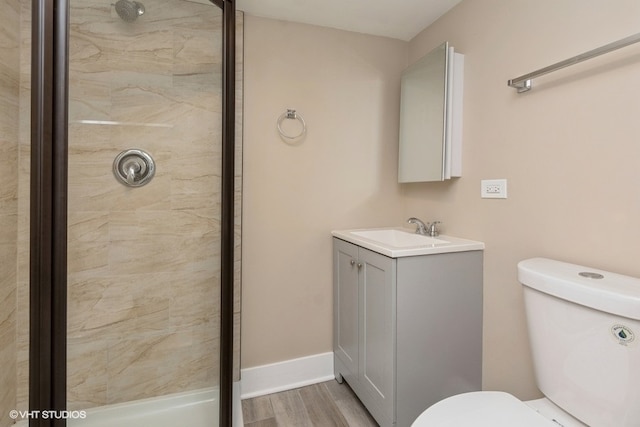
[(377, 334), (345, 306), (439, 338)]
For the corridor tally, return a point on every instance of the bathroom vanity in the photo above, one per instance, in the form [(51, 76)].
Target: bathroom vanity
[(407, 319)]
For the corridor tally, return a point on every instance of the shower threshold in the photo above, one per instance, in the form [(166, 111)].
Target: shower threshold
[(194, 408)]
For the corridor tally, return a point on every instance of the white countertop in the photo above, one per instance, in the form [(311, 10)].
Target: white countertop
[(408, 244)]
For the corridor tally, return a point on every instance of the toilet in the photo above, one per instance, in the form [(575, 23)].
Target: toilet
[(584, 327)]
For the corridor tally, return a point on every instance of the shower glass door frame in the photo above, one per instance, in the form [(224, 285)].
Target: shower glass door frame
[(48, 209)]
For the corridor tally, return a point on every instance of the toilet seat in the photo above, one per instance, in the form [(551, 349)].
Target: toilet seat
[(482, 409)]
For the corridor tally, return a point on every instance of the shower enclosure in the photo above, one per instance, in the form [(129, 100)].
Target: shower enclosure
[(118, 208)]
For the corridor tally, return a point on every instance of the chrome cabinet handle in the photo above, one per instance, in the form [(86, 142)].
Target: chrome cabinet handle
[(353, 262)]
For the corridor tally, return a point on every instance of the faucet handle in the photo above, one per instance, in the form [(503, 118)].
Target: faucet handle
[(432, 229)]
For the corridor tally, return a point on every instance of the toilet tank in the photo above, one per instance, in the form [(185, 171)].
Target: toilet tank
[(584, 330)]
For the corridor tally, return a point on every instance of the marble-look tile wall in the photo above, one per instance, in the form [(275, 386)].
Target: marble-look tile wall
[(9, 91), (143, 287), (22, 315)]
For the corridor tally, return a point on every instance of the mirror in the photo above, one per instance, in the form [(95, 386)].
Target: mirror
[(430, 117)]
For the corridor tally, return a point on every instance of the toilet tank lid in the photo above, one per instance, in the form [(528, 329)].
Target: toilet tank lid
[(602, 290)]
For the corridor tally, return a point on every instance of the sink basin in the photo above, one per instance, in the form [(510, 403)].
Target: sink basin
[(399, 242), (398, 238)]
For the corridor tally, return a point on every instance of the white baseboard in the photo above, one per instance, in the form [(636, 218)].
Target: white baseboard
[(286, 375)]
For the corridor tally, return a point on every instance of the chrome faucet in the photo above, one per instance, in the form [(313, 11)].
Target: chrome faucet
[(421, 227), (430, 229)]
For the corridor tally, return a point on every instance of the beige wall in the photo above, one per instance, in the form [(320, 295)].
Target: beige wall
[(568, 149), (341, 175), (9, 91)]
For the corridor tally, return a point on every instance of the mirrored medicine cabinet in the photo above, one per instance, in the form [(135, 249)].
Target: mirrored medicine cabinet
[(431, 117)]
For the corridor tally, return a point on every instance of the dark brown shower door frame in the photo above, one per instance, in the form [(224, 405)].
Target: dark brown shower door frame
[(48, 210)]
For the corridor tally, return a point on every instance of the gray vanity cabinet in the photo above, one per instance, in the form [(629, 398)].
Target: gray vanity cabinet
[(407, 331)]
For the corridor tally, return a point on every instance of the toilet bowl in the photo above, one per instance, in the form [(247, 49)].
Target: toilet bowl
[(579, 320), (494, 409)]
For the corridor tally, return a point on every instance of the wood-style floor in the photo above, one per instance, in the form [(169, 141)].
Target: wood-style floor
[(327, 404)]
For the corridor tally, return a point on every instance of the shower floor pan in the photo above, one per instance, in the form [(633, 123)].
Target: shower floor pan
[(194, 408)]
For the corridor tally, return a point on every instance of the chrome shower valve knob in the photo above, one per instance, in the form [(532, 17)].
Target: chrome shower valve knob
[(134, 168)]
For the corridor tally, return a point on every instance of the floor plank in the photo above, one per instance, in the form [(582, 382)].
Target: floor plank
[(350, 406), (257, 409), (327, 404), (321, 408), (290, 409)]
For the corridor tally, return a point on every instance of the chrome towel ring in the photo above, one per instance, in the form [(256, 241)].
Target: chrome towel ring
[(291, 114)]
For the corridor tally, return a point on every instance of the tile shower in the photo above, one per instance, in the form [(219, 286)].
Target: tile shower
[(9, 136), (143, 263)]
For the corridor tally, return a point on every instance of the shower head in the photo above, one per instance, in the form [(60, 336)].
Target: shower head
[(129, 10)]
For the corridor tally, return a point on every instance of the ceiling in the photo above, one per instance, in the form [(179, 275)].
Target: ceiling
[(398, 19)]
